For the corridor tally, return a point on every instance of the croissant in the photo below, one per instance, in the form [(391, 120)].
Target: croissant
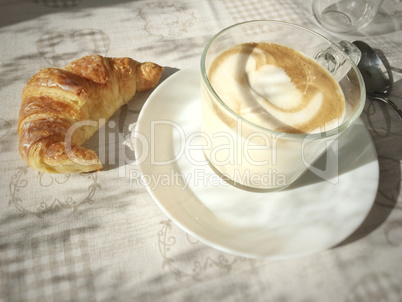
[(63, 107)]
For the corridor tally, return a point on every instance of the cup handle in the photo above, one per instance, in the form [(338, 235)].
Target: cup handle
[(329, 58)]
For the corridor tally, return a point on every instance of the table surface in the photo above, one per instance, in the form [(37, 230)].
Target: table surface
[(101, 237)]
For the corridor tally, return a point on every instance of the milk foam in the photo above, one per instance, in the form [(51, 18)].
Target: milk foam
[(278, 88)]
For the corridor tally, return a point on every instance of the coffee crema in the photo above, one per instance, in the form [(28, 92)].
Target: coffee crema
[(278, 88)]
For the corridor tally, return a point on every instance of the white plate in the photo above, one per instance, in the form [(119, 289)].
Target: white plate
[(313, 215)]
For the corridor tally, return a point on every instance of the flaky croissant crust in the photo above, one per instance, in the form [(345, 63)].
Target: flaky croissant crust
[(63, 107)]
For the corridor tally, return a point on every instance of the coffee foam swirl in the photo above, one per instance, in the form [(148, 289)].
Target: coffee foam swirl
[(278, 88)]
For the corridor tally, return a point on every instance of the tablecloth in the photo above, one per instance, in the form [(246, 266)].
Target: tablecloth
[(101, 237)]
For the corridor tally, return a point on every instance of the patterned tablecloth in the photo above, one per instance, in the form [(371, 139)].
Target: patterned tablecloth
[(101, 237)]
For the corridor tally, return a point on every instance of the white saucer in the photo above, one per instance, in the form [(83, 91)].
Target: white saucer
[(313, 215)]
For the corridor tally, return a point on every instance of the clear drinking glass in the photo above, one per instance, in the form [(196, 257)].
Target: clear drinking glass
[(249, 155), (343, 16)]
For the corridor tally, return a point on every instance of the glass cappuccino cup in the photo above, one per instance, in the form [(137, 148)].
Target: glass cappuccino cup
[(264, 91)]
